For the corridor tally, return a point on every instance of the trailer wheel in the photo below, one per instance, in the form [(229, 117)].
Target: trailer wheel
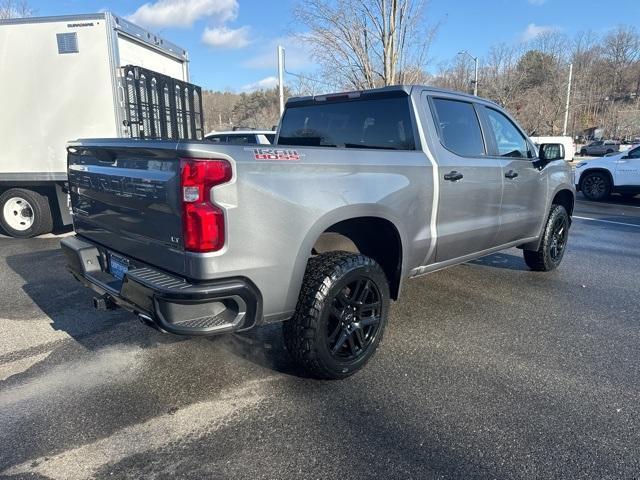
[(25, 213)]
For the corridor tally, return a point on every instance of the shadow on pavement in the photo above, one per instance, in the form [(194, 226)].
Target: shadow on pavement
[(68, 304), (54, 291), (501, 260), (263, 346)]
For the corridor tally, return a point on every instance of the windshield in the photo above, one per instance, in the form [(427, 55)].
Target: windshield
[(382, 123)]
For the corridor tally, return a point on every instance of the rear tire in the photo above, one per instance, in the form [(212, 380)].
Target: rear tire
[(341, 314), (595, 186), (25, 213), (554, 241)]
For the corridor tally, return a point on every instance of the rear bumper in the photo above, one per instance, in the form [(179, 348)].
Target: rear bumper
[(170, 303)]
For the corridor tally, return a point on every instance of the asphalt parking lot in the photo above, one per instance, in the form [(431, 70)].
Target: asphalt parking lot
[(486, 370)]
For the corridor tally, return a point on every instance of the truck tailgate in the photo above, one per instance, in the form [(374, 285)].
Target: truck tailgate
[(126, 199)]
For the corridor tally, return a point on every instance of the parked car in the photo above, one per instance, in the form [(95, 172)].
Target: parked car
[(614, 173), (362, 191), (242, 137), (567, 142), (600, 147)]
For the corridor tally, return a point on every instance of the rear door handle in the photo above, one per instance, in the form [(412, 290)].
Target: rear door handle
[(511, 174), (453, 176)]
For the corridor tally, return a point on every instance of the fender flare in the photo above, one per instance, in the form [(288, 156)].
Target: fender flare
[(346, 212)]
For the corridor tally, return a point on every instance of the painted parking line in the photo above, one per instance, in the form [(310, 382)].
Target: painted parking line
[(616, 205), (606, 221)]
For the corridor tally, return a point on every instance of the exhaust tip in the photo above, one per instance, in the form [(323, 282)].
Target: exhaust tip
[(148, 321)]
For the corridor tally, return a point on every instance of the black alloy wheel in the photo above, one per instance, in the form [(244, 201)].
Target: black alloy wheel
[(559, 235), (341, 315), (595, 186), (553, 244), (354, 319)]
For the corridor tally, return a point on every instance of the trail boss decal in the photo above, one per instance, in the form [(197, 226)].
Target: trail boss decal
[(275, 154)]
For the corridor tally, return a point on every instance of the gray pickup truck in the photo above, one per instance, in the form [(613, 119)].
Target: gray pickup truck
[(361, 191)]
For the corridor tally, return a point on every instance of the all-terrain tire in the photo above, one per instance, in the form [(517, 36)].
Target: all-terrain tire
[(330, 278), (551, 251), (25, 213)]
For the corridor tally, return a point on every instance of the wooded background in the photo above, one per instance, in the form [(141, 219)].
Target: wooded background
[(359, 44), (370, 43)]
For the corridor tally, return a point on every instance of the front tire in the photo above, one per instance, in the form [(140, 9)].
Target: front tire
[(583, 153), (341, 315), (595, 186), (25, 213), (554, 242)]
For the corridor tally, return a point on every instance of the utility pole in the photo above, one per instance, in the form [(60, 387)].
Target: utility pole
[(475, 81), (281, 77), (475, 76), (566, 108)]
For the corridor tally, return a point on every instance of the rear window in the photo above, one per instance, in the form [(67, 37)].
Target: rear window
[(383, 123)]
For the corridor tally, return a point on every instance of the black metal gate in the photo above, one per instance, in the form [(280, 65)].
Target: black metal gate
[(161, 107)]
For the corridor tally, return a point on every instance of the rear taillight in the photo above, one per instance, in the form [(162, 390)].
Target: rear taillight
[(203, 221)]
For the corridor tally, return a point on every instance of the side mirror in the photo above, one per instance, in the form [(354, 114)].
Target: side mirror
[(550, 152)]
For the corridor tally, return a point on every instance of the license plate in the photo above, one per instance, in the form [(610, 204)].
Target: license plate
[(118, 266)]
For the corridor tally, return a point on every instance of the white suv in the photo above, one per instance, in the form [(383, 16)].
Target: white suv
[(242, 137), (613, 173)]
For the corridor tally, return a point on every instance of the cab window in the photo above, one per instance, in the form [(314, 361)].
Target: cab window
[(509, 141), (458, 127), (635, 153)]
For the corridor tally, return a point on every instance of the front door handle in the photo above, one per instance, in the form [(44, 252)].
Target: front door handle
[(453, 176), (511, 174)]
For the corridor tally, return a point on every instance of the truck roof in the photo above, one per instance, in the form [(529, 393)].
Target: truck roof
[(126, 27), (391, 90)]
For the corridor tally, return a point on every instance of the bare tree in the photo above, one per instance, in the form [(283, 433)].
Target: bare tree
[(501, 79), (14, 9), (454, 75), (218, 109), (225, 110), (367, 43)]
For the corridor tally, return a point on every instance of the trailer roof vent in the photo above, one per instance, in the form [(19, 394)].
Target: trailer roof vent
[(67, 42)]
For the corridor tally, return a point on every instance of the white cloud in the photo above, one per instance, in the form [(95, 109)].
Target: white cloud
[(264, 84), (183, 13), (537, 3), (532, 31), (297, 55), (223, 37)]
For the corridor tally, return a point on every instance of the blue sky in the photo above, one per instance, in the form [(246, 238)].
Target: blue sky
[(232, 42)]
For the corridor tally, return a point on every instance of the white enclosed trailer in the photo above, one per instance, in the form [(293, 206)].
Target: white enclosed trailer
[(61, 78)]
